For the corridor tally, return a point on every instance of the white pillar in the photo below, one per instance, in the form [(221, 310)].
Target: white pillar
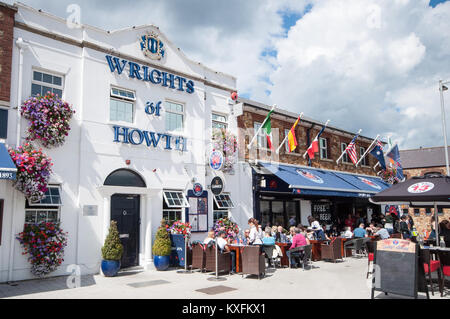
[(106, 215), (148, 234)]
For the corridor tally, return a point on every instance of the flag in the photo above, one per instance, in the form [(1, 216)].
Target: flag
[(267, 127), (351, 150), (377, 152), (394, 159), (292, 140), (314, 147)]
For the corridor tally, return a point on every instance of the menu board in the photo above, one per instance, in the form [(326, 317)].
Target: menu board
[(322, 212), (197, 213)]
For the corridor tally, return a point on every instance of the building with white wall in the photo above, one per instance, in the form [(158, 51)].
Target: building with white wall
[(139, 139)]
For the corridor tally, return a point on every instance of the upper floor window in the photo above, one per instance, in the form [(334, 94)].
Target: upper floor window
[(323, 147), (219, 121), (261, 140), (174, 117), (3, 123), (365, 160), (121, 105), (345, 158), (46, 210), (44, 82), (286, 144)]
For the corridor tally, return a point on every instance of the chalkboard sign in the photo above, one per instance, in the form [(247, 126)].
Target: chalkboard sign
[(396, 268), (322, 212)]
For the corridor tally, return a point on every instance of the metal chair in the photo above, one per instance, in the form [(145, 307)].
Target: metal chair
[(271, 253), (429, 265), (444, 259), (370, 248), (295, 253), (354, 244), (365, 240), (307, 256)]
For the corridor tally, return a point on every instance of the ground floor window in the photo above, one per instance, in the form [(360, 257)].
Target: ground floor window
[(173, 205), (1, 219), (47, 210), (171, 216)]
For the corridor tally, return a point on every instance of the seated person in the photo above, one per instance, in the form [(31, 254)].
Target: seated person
[(382, 232), (222, 243), (359, 232), (348, 232), (299, 240), (310, 233), (268, 240), (209, 238), (370, 230), (246, 238), (280, 237)]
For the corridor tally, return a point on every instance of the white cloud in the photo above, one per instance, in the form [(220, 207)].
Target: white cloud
[(368, 64)]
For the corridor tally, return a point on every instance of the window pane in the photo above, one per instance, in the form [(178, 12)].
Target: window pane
[(57, 80), (57, 92), (41, 216), (35, 89), (46, 89), (37, 76), (52, 216), (47, 78), (30, 217)]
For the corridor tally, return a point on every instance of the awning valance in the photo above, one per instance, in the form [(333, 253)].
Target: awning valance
[(318, 182), (7, 167)]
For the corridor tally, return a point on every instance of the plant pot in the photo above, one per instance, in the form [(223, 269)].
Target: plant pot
[(161, 262), (110, 267)]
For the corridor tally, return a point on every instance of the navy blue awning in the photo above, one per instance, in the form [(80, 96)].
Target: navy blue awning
[(318, 182), (7, 167)]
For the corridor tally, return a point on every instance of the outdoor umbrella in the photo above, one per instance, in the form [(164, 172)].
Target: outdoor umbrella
[(430, 190)]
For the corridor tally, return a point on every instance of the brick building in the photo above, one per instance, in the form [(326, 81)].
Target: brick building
[(283, 192), (418, 162)]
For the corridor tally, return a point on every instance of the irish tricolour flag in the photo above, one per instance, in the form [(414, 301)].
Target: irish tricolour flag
[(267, 129)]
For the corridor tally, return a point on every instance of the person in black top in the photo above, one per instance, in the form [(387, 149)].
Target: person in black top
[(404, 229)]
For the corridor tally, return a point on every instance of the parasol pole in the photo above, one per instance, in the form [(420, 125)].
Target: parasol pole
[(436, 223), (217, 278)]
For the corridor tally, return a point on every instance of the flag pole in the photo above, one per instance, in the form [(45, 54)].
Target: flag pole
[(326, 124), (249, 146), (368, 149), (285, 138), (342, 155)]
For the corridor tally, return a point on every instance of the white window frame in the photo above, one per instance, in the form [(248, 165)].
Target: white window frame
[(225, 122), (364, 161), (286, 143), (51, 85), (183, 116), (175, 210), (47, 210), (345, 158), (31, 204), (120, 98), (261, 136), (323, 148), (185, 203), (228, 200)]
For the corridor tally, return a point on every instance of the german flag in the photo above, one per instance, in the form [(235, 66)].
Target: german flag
[(292, 140)]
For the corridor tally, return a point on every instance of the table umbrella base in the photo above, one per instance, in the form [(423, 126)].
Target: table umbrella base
[(217, 279), (184, 271)]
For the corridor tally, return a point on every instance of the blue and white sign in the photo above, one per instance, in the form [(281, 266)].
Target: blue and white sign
[(216, 160), (370, 183), (152, 46)]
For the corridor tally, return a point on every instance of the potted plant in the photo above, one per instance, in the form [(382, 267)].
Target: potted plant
[(162, 248), (112, 252)]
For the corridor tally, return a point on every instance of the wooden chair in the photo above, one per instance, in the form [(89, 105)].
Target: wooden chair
[(444, 259), (253, 261), (198, 257), (430, 266), (332, 251), (224, 260)]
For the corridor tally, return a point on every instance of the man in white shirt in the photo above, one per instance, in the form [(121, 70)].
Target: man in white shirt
[(348, 233)]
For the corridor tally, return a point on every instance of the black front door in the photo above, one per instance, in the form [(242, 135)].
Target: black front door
[(125, 211)]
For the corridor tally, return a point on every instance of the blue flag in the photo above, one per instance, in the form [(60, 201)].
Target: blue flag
[(394, 158), (377, 152)]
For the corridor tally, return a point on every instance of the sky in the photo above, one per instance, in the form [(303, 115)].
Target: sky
[(363, 64)]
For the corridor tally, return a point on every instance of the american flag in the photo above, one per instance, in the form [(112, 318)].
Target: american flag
[(351, 150)]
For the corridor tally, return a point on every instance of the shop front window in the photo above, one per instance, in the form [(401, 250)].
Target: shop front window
[(265, 212)]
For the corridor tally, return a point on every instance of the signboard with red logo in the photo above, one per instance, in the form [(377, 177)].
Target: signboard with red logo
[(370, 183), (197, 189), (419, 188), (310, 176), (216, 160)]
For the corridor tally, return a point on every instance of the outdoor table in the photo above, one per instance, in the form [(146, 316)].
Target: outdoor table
[(316, 249), (284, 248), (238, 249)]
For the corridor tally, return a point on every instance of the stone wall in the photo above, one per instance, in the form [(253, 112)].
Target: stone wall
[(246, 132)]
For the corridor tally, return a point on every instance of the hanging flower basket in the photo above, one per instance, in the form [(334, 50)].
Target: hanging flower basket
[(49, 119), (228, 226), (389, 175), (225, 142), (33, 171), (44, 243)]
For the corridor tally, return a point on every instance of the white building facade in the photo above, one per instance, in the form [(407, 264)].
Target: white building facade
[(139, 141)]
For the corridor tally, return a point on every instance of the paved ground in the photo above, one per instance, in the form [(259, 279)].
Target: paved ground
[(326, 280)]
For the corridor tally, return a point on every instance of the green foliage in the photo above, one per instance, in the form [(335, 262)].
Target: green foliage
[(113, 249), (161, 246)]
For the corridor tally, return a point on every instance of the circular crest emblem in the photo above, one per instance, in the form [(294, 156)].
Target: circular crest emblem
[(216, 160), (395, 242), (369, 182), (197, 189), (420, 188), (152, 46), (310, 176)]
